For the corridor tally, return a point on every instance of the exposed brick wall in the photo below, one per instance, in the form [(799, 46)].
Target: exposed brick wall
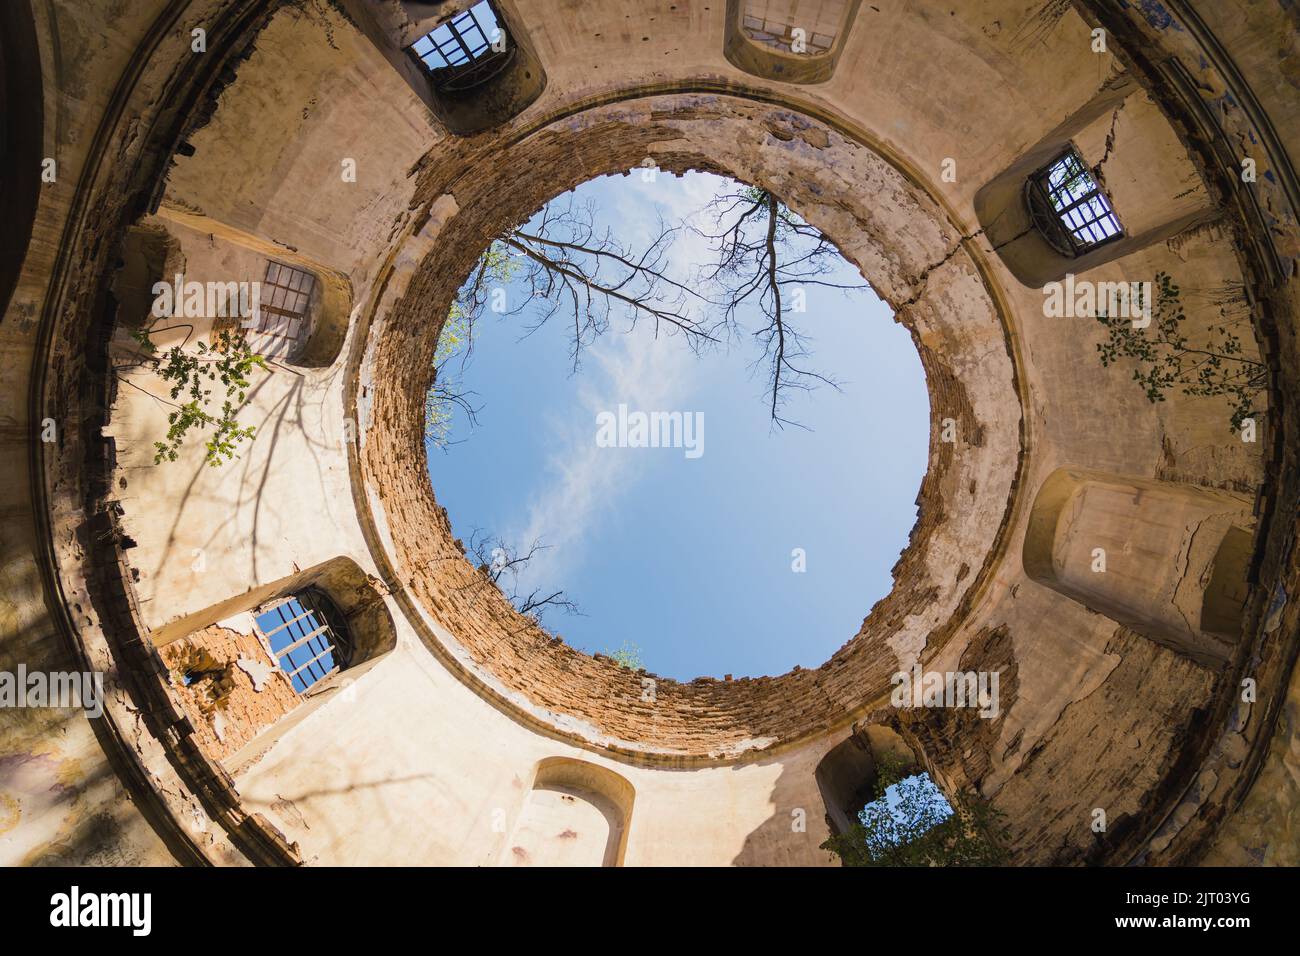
[(701, 716), (705, 716), (228, 698)]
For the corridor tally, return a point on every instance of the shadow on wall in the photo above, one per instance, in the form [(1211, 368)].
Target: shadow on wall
[(803, 817), (281, 409)]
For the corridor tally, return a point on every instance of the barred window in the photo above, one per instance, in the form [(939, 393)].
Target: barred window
[(307, 636), (285, 295), (467, 50), (1069, 208), (774, 24)]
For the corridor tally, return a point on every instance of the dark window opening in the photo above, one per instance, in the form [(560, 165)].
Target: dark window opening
[(308, 638), (466, 51), (1069, 208), (285, 295)]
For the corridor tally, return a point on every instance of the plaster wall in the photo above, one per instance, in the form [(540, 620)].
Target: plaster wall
[(62, 800), (437, 731), (927, 283)]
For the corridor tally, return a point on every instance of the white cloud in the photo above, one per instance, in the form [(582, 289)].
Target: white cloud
[(582, 482), (681, 201)]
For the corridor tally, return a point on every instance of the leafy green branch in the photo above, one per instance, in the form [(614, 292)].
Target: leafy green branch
[(495, 268), (1166, 359), (228, 361)]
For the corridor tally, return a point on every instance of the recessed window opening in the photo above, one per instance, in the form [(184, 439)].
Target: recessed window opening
[(1069, 208), (307, 637), (911, 823), (467, 50), (781, 36), (791, 41), (285, 297)]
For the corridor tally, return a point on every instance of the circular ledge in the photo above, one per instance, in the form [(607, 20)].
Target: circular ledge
[(883, 221)]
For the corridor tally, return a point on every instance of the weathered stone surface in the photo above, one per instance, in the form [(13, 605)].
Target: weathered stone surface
[(239, 157)]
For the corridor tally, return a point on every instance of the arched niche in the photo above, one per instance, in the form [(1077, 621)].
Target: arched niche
[(1168, 560), (758, 34), (575, 814), (846, 776), (210, 251), (1224, 605)]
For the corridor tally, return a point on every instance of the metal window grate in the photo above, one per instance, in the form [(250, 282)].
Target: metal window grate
[(285, 295), (307, 646), (460, 53), (781, 36), (1069, 208)]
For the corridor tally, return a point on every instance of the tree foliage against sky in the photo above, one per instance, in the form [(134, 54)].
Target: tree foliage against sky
[(570, 266), (767, 256), (762, 256), (499, 565), (918, 827)]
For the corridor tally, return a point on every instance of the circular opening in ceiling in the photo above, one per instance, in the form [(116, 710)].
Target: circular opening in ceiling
[(677, 436), (897, 235)]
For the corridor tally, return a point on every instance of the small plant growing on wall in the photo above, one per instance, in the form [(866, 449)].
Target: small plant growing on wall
[(1167, 360), (909, 823), (629, 656), (226, 362)]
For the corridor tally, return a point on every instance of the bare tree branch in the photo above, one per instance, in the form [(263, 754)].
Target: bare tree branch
[(764, 257), (500, 564), (761, 248), (562, 264)]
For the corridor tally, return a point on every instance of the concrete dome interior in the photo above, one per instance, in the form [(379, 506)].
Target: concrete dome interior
[(305, 146)]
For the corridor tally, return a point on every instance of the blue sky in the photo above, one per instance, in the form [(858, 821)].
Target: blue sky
[(690, 559)]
